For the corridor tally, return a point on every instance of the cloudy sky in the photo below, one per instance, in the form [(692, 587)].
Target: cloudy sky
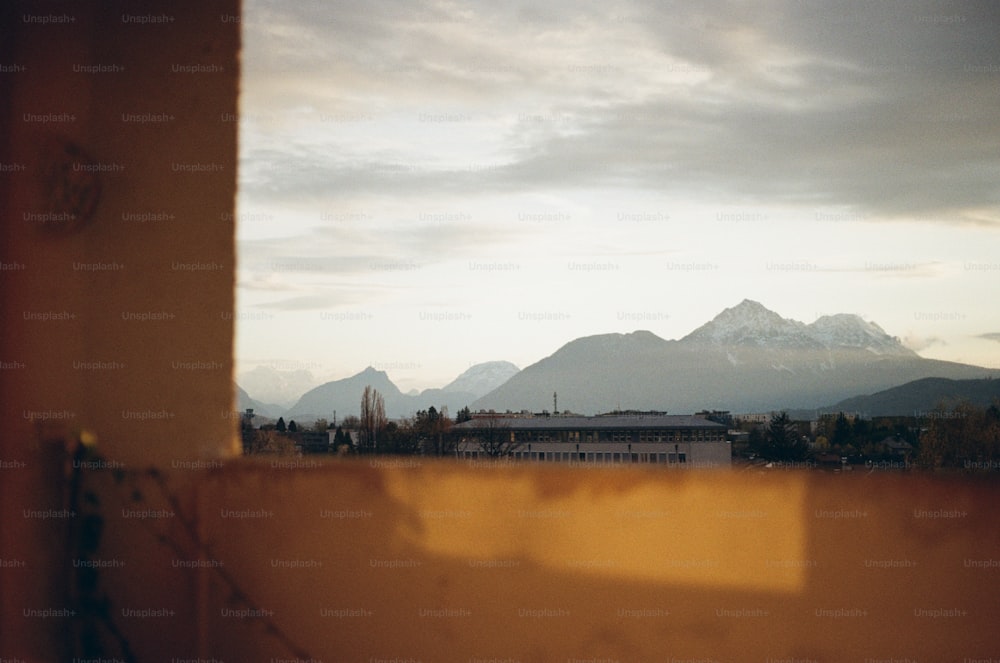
[(429, 185)]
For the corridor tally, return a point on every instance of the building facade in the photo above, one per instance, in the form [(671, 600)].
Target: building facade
[(674, 440)]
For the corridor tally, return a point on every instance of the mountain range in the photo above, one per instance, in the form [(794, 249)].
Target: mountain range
[(343, 397), (746, 359)]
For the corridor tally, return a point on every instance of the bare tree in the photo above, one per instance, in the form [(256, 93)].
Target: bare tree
[(372, 420), (494, 437)]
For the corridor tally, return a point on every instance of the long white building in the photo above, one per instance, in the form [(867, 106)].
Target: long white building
[(679, 440)]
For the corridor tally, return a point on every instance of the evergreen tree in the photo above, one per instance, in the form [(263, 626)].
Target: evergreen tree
[(861, 432), (841, 431), (782, 440), (292, 428), (280, 427)]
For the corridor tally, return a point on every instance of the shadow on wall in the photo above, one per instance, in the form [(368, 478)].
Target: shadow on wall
[(439, 561)]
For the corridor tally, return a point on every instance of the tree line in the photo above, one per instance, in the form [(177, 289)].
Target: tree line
[(428, 432), (963, 436)]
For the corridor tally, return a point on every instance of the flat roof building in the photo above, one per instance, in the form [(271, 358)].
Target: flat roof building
[(633, 437)]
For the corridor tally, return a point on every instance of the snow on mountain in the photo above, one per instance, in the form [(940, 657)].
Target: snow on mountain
[(750, 323), (482, 378), (850, 331)]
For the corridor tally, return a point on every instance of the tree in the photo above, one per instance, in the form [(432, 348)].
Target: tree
[(280, 427), (372, 420), (432, 428), (272, 442), (320, 425), (861, 431), (782, 440), (463, 415), (494, 437), (399, 438), (841, 431), (342, 442), (965, 437), (292, 427)]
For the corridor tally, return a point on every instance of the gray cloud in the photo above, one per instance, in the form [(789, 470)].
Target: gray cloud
[(889, 108)]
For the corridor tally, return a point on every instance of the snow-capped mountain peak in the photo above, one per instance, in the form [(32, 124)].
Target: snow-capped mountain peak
[(751, 323), (851, 331)]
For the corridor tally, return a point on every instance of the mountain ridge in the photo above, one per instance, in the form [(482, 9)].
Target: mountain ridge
[(746, 359), (343, 396), (920, 396)]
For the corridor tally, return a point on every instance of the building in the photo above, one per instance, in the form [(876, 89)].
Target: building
[(633, 437), (754, 417)]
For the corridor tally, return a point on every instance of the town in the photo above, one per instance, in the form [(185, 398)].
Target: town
[(963, 437)]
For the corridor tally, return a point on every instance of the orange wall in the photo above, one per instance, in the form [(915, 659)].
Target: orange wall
[(444, 561), (81, 344)]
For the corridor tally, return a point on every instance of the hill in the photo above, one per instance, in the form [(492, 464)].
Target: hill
[(921, 396)]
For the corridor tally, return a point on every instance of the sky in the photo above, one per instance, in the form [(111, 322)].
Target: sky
[(428, 185)]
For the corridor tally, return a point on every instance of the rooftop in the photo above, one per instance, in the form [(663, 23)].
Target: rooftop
[(601, 422)]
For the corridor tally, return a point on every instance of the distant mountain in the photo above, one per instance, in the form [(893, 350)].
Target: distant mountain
[(921, 396), (275, 385), (244, 401), (747, 359), (481, 379), (344, 396)]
